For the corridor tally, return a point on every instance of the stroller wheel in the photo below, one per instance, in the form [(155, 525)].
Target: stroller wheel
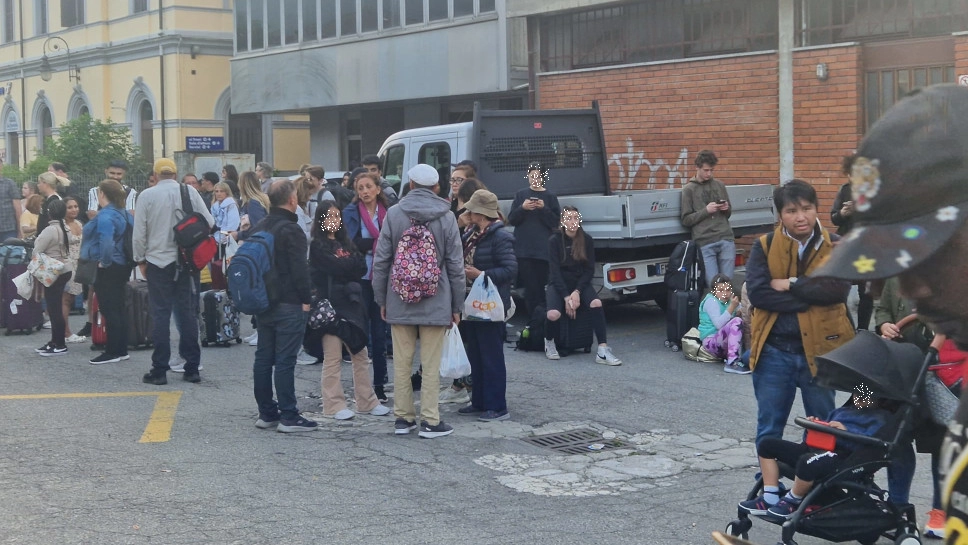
[(907, 539), (739, 528)]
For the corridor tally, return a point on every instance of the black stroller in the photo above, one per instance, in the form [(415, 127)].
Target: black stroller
[(848, 505)]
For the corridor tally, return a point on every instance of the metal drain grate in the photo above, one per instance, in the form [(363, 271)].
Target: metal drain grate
[(574, 442)]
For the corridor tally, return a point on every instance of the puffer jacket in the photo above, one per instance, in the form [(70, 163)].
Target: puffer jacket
[(424, 206), (494, 256)]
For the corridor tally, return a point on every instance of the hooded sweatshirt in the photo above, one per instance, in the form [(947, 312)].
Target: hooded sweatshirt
[(424, 206)]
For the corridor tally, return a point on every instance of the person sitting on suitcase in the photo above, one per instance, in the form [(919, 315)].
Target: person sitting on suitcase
[(865, 415), (571, 267), (795, 320), (721, 327)]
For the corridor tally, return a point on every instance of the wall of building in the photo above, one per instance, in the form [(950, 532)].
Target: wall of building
[(657, 116)]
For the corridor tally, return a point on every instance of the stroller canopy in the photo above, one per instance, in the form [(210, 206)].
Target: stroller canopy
[(888, 368)]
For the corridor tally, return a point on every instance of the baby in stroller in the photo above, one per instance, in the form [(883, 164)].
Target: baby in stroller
[(863, 414)]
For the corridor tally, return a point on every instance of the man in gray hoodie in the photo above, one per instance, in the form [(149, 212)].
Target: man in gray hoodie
[(431, 317)]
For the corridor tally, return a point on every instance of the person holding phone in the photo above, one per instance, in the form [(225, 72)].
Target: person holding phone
[(705, 211), (534, 216)]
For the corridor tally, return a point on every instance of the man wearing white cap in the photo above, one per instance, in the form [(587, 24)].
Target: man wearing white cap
[(429, 317)]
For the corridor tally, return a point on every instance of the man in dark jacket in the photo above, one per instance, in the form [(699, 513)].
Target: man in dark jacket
[(281, 328), (796, 318)]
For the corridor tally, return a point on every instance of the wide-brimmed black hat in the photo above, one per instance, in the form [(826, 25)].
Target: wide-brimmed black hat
[(910, 186)]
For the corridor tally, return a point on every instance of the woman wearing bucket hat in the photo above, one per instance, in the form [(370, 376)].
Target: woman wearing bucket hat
[(488, 249)]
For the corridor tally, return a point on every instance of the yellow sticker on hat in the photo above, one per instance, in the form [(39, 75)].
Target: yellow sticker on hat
[(864, 264)]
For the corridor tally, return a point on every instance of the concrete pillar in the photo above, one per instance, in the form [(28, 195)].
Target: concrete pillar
[(787, 33)]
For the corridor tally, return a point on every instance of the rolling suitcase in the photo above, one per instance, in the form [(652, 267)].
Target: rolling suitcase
[(17, 315), (575, 335), (99, 331), (219, 320), (138, 314), (685, 278)]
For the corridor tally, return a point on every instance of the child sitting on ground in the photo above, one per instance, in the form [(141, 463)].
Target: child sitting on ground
[(864, 416), (720, 326)]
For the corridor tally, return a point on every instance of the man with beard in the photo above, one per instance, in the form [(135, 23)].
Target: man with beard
[(910, 193)]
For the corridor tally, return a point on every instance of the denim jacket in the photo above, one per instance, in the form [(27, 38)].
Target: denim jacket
[(103, 236)]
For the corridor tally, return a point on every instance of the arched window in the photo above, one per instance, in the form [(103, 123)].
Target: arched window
[(45, 127), (84, 111), (140, 114), (146, 131)]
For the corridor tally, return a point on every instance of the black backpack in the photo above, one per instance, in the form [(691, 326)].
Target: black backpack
[(682, 267), (532, 336)]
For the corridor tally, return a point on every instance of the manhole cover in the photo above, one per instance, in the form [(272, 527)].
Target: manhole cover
[(574, 442)]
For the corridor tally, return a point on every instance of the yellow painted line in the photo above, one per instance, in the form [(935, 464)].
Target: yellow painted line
[(159, 425)]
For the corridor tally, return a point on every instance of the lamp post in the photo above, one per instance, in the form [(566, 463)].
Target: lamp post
[(73, 72)]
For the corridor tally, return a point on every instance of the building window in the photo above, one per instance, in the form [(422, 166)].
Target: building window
[(414, 12), (487, 5), (885, 87), (391, 14), (7, 35), (257, 24), (139, 6), (833, 21), (45, 127), (347, 17), (146, 132), (438, 10), (291, 21), (309, 20), (327, 15), (241, 25), (274, 24), (369, 15), (40, 17), (463, 8), (72, 13)]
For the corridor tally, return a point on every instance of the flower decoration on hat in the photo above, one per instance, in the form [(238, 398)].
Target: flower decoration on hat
[(948, 213), (865, 182), (904, 259), (864, 264)]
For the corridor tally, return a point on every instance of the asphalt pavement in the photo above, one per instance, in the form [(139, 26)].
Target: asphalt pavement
[(90, 454)]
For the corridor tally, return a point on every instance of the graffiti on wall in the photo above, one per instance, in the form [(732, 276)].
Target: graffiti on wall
[(630, 165)]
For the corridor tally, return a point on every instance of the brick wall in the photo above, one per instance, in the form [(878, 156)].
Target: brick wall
[(657, 117)]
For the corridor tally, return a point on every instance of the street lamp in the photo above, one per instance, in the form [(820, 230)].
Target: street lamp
[(73, 72)]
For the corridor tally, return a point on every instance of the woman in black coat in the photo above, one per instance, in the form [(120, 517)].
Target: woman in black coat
[(488, 249), (336, 267)]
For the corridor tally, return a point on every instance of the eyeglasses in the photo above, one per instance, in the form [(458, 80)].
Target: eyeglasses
[(457, 180)]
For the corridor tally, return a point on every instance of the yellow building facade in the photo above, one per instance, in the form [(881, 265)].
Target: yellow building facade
[(160, 67)]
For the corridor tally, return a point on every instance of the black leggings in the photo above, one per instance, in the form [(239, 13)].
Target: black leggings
[(556, 301), (811, 464), (55, 309)]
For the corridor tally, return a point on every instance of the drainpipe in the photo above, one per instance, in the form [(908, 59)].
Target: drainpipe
[(23, 91), (785, 89), (161, 66)]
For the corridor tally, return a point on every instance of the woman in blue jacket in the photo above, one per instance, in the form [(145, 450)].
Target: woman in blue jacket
[(488, 249), (103, 241)]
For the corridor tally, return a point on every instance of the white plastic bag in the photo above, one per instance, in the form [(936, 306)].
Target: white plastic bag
[(25, 285), (453, 358), (231, 246), (484, 303)]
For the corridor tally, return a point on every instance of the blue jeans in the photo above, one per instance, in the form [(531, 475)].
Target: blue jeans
[(900, 475), (378, 335), (171, 290), (776, 378), (281, 331), (719, 257), (485, 351)]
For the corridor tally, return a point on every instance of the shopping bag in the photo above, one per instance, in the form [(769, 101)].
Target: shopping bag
[(693, 349), (46, 269), (231, 246), (453, 358), (25, 284), (484, 303)]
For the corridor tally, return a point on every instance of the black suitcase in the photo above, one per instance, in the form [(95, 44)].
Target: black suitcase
[(682, 315), (575, 335), (219, 319), (16, 313), (685, 277), (138, 314)]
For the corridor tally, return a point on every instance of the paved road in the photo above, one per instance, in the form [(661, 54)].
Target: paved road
[(84, 469)]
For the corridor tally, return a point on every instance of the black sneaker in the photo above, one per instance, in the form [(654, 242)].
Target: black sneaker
[(380, 394), (85, 331), (403, 427), (192, 376), (429, 432), (54, 351), (470, 409), (104, 358), (155, 377), (299, 424), (43, 348)]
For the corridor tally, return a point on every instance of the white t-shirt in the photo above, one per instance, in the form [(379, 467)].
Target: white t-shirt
[(129, 202)]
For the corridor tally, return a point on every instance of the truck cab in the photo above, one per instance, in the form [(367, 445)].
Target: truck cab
[(437, 146)]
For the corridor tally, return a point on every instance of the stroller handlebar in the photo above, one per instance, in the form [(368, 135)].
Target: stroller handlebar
[(856, 438)]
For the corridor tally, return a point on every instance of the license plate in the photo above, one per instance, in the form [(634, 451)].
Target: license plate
[(657, 270)]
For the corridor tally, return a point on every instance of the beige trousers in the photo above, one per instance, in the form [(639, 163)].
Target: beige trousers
[(334, 400), (404, 347)]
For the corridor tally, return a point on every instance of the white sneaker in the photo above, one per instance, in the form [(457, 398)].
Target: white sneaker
[(380, 410), (75, 338), (47, 324), (450, 395), (551, 351), (302, 358), (345, 414), (605, 356), (254, 339), (250, 337), (180, 366)]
